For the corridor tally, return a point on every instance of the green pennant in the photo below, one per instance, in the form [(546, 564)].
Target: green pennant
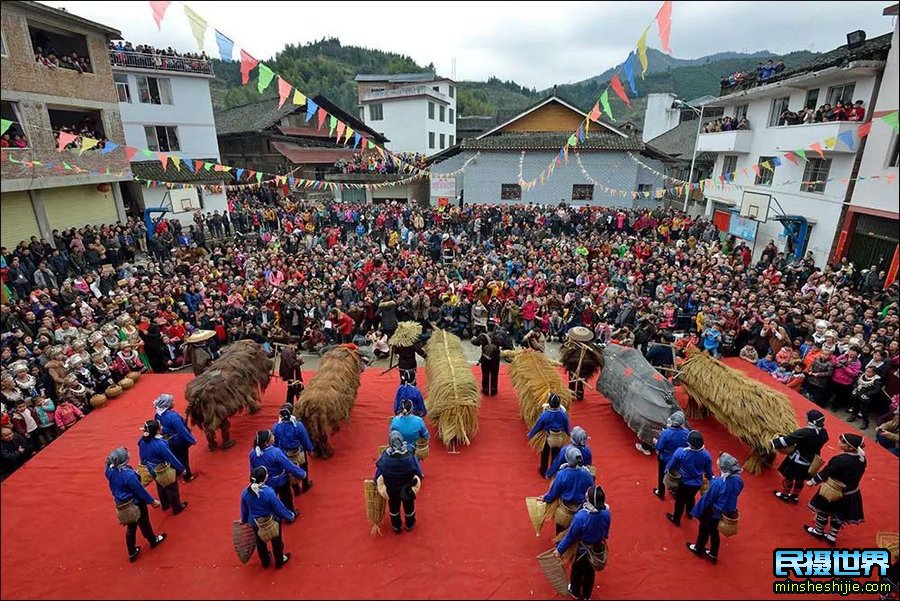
[(147, 152), (573, 140), (67, 166), (4, 125), (207, 166), (371, 144), (891, 119), (259, 177), (265, 78), (800, 153), (604, 100), (332, 123)]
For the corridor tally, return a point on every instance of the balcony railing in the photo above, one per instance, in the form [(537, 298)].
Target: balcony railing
[(843, 134), (406, 91), (160, 62)]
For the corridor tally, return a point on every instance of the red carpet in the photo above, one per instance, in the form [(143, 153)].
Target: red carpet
[(473, 539)]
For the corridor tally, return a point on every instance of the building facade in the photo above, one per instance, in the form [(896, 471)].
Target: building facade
[(166, 107), (37, 196), (598, 172), (814, 188), (416, 111)]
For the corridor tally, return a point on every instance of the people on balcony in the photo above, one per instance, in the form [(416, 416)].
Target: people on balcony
[(143, 55)]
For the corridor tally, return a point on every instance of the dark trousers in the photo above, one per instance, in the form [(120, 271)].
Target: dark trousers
[(684, 500), (286, 495), (146, 530), (660, 473), (818, 395), (709, 532), (489, 374), (409, 510), (577, 387), (842, 393), (548, 455), (582, 577), (182, 452), (860, 406), (169, 497), (293, 391), (265, 558)]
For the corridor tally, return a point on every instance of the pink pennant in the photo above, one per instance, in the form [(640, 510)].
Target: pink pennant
[(891, 177), (616, 85), (163, 158), (595, 112), (745, 172), (818, 148), (248, 63), (756, 170), (340, 130), (864, 129), (130, 151), (792, 158), (65, 138), (363, 143), (218, 167), (664, 22), (284, 90), (159, 10), (322, 115)]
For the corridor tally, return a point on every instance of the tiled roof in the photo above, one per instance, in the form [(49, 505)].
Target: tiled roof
[(679, 143), (153, 170), (551, 141)]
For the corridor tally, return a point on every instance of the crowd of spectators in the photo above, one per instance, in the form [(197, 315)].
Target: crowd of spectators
[(86, 128), (123, 53), (762, 73), (52, 59), (726, 124), (280, 270), (374, 162), (13, 139), (841, 111)]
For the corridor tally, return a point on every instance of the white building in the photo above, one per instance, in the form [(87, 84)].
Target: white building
[(416, 111), (166, 108), (844, 74), (870, 231)]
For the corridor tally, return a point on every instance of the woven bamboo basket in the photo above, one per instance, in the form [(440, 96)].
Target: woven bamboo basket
[(244, 540), (375, 505), (165, 474), (126, 383), (728, 523), (537, 509), (128, 513), (889, 541), (113, 391), (816, 465), (555, 571), (134, 376), (564, 514), (556, 440), (422, 449), (672, 480), (267, 527), (704, 486), (297, 457), (98, 401), (144, 473), (832, 490)]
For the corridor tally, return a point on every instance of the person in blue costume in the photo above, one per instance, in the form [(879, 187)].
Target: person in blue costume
[(410, 426), (553, 420), (692, 462), (125, 486), (278, 465), (721, 497), (176, 431), (578, 440), (292, 437), (154, 451), (409, 391), (589, 531), (399, 469), (570, 485), (672, 438), (260, 501)]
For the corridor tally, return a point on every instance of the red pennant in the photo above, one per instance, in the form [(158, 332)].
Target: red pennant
[(756, 170), (792, 158), (65, 138), (818, 148), (163, 158), (322, 115), (247, 64), (284, 90), (595, 112), (130, 151), (616, 85), (664, 22), (159, 10), (340, 130), (198, 165), (864, 129)]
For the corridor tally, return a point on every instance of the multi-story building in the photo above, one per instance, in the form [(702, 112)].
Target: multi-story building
[(870, 229), (815, 188), (37, 193), (416, 111), (166, 107)]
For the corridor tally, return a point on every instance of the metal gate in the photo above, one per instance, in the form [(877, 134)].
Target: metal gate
[(874, 242)]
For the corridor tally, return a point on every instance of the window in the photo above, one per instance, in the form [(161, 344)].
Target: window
[(431, 139), (842, 93), (376, 112), (645, 188), (154, 90), (729, 165), (510, 192), (582, 191), (61, 48), (442, 113), (122, 88), (453, 141), (436, 88), (377, 90), (15, 135), (443, 139), (765, 176), (892, 158), (430, 110), (162, 138), (451, 114), (77, 121), (452, 92), (779, 105), (741, 111), (812, 99), (814, 176)]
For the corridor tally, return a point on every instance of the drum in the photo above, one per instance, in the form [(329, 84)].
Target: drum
[(267, 527), (98, 401), (128, 513), (672, 480), (126, 383), (728, 523), (113, 391), (165, 474), (832, 490), (134, 376)]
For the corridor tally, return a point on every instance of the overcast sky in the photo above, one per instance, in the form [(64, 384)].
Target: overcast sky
[(534, 43)]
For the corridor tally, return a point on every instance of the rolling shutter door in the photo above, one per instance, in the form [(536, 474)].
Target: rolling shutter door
[(76, 206), (18, 220)]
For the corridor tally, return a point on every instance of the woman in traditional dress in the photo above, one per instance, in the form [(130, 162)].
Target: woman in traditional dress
[(411, 427), (720, 498), (807, 443), (847, 469), (578, 441), (292, 437), (259, 502), (554, 422), (589, 531), (399, 470), (278, 465), (569, 486), (125, 486), (154, 453)]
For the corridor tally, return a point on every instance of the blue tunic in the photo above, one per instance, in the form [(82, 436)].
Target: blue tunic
[(277, 464), (692, 464), (551, 420), (398, 470), (587, 528), (561, 458), (670, 440), (412, 427), (570, 485), (411, 393), (267, 503), (156, 451), (125, 485), (290, 436), (173, 424), (722, 496)]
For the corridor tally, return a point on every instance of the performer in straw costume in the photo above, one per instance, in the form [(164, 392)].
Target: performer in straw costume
[(175, 430), (125, 486), (400, 472), (155, 453), (569, 487), (847, 469), (199, 350), (264, 453), (406, 343), (553, 423), (259, 502), (692, 462), (672, 438), (410, 426), (578, 441), (292, 438), (589, 531), (796, 467), (581, 358), (721, 497), (410, 392)]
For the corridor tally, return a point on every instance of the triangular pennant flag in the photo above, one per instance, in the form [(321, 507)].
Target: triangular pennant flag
[(356, 139), (227, 168), (176, 160), (207, 166), (159, 10), (332, 123), (248, 63), (348, 133), (776, 162), (745, 172), (130, 151), (147, 153), (299, 98), (864, 129), (65, 138), (198, 25), (818, 148), (163, 159), (284, 90), (664, 22), (322, 115), (259, 177), (238, 173), (800, 153), (226, 47), (847, 138), (616, 85), (595, 112), (830, 142), (340, 130), (250, 173), (371, 144), (364, 143), (198, 165), (890, 177), (311, 109), (264, 76), (628, 69), (218, 167), (190, 166), (642, 52), (791, 157), (891, 119), (572, 140), (4, 125), (604, 100), (767, 165), (580, 133), (67, 166)]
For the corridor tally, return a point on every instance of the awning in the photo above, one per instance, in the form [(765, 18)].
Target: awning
[(299, 155)]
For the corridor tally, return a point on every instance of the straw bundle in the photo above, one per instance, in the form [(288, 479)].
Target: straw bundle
[(534, 377), (329, 396), (537, 512), (580, 358), (406, 334), (375, 505), (750, 410), (555, 572), (244, 540), (453, 396)]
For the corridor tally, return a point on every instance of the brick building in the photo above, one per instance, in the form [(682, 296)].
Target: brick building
[(40, 99)]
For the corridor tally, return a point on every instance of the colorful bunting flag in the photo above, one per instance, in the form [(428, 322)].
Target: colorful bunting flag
[(371, 144), (604, 100), (356, 139), (207, 166), (792, 158), (130, 151), (248, 63), (65, 138), (768, 165), (664, 22), (847, 138), (580, 133), (616, 85), (332, 123), (628, 69), (801, 153), (67, 166), (891, 119), (147, 153), (5, 124), (108, 147), (226, 46), (284, 90), (572, 140), (642, 52), (159, 10), (264, 77), (198, 25), (595, 112), (830, 142), (864, 129), (818, 148), (347, 134), (176, 160), (238, 173), (364, 143), (322, 115), (163, 159), (259, 177), (190, 165), (776, 161), (299, 98)]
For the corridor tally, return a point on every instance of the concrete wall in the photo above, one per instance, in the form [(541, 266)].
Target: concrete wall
[(659, 117)]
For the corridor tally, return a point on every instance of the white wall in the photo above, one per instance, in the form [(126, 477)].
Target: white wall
[(659, 116), (406, 123)]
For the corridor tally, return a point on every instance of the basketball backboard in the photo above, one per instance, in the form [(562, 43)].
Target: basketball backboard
[(755, 206)]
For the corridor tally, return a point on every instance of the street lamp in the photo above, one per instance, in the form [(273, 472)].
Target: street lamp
[(687, 189)]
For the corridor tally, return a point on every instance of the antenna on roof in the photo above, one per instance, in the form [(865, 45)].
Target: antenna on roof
[(453, 69)]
